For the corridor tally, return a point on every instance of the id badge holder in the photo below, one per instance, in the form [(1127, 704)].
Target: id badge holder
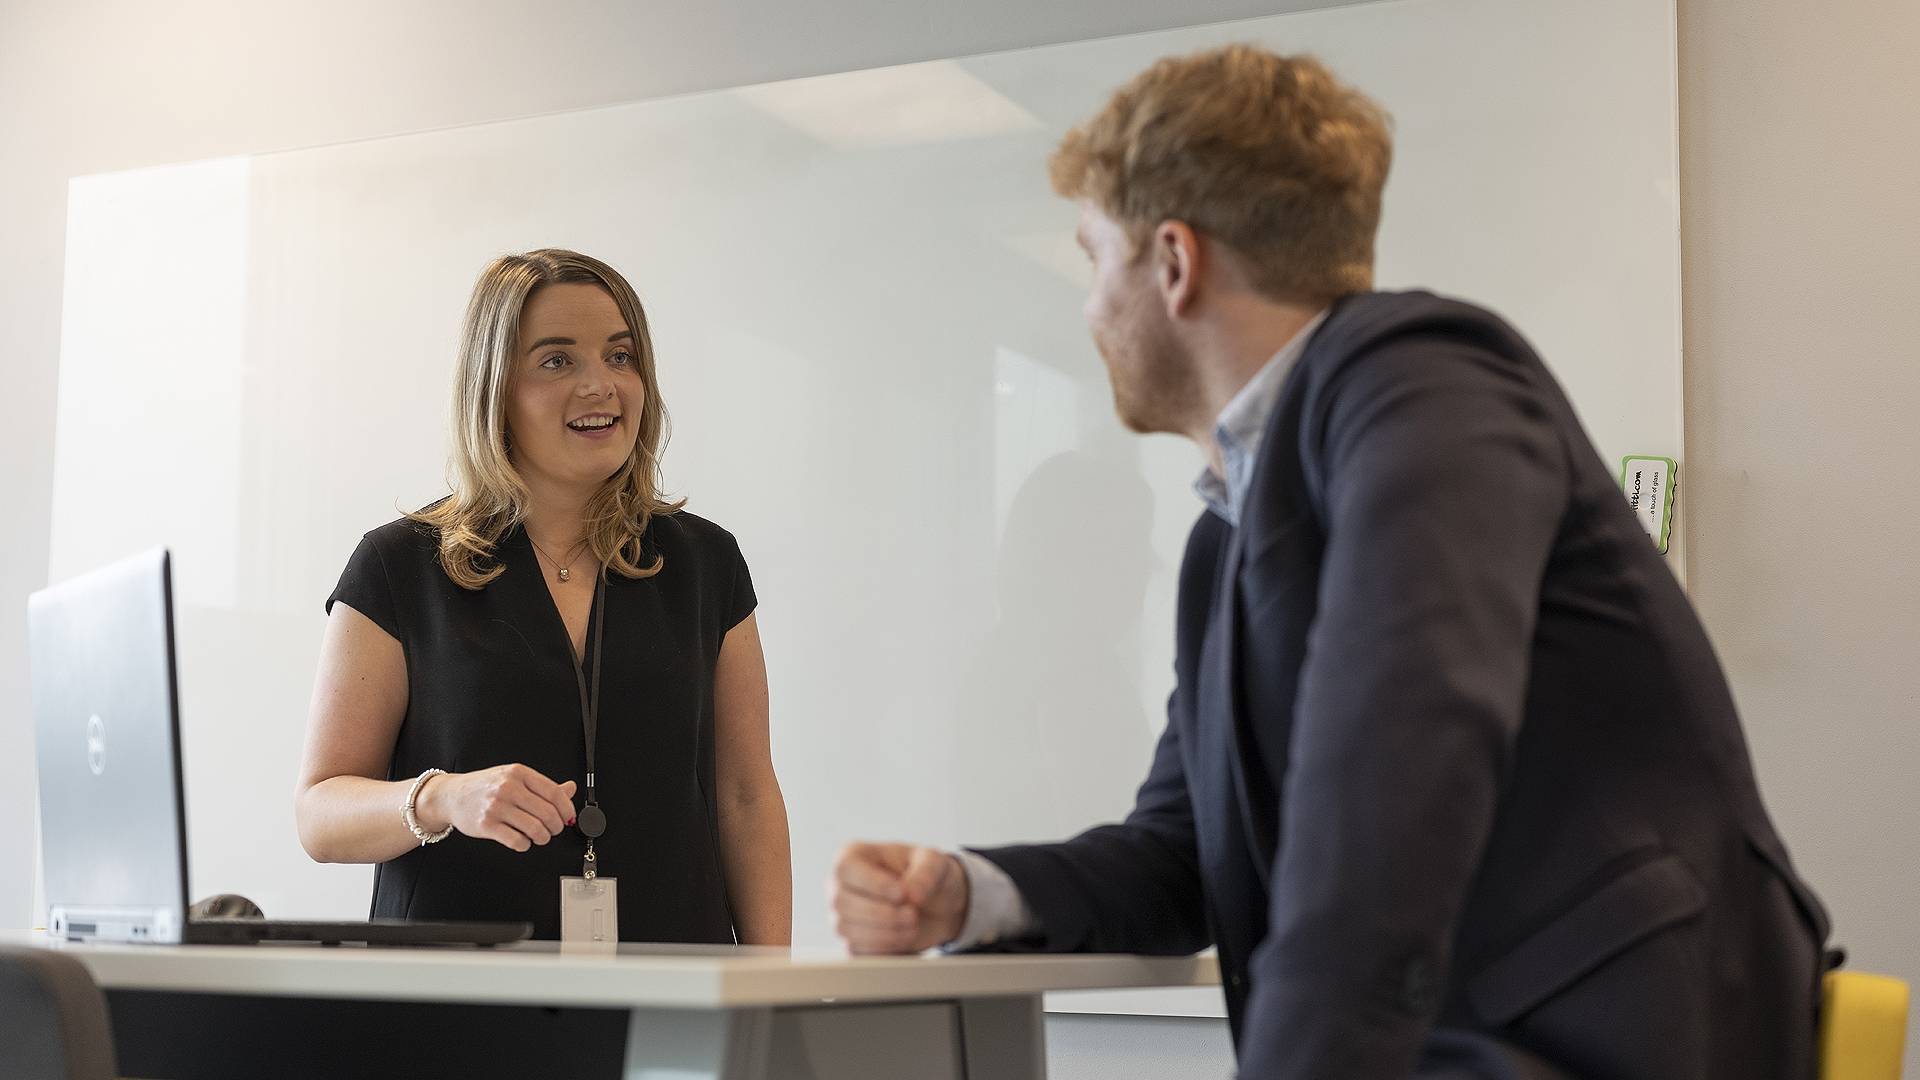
[(589, 912)]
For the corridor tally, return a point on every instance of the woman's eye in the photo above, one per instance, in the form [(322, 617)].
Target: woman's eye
[(554, 362), (622, 358)]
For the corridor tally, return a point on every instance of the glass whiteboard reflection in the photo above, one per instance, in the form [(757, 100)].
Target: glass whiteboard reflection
[(866, 305)]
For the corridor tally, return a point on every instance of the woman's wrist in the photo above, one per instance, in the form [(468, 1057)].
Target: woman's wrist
[(429, 810)]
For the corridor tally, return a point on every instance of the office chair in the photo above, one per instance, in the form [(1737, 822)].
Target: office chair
[(1863, 1026), (53, 1019)]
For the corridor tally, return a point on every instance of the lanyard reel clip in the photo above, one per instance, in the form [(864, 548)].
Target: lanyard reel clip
[(593, 822)]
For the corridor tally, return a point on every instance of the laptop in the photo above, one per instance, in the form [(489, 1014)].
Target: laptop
[(113, 820)]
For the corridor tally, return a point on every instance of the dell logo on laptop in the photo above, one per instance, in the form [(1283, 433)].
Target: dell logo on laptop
[(96, 745)]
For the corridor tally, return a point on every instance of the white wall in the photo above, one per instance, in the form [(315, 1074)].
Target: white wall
[(1800, 185), (1137, 1048)]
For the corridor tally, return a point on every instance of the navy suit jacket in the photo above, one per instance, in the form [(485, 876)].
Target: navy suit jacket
[(1450, 763)]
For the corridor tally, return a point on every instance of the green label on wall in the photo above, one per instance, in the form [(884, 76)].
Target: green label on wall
[(1650, 484)]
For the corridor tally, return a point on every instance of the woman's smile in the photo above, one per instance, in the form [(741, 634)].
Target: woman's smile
[(598, 426)]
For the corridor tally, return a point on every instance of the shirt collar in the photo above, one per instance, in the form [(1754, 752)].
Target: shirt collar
[(1243, 423)]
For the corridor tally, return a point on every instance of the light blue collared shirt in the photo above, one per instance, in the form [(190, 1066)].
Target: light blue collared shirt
[(1243, 424), (995, 910)]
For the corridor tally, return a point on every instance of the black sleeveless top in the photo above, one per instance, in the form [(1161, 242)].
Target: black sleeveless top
[(490, 682)]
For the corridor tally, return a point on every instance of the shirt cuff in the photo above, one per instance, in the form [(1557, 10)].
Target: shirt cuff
[(995, 909)]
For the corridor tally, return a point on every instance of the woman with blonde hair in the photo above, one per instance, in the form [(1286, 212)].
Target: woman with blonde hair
[(554, 672)]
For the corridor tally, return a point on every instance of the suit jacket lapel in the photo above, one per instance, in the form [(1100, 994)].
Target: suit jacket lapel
[(1255, 790), (1224, 703)]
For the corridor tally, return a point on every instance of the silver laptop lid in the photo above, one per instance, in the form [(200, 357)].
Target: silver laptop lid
[(106, 722)]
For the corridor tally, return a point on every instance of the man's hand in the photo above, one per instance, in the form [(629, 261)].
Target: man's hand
[(897, 898)]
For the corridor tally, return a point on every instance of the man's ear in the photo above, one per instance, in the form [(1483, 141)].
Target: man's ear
[(1175, 250)]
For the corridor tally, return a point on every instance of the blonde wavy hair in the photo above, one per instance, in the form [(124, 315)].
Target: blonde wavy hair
[(1270, 154), (489, 497)]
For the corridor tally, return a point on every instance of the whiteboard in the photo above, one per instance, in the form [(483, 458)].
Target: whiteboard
[(866, 305)]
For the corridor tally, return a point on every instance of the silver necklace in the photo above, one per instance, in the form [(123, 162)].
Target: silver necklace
[(573, 556)]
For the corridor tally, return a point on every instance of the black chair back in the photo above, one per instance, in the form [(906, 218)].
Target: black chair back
[(53, 1019)]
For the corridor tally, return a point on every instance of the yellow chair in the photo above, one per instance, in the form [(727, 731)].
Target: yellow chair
[(1863, 1026)]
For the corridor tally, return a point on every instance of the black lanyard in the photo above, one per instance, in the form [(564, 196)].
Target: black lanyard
[(592, 820)]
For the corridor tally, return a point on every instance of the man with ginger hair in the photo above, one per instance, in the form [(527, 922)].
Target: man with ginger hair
[(1450, 776)]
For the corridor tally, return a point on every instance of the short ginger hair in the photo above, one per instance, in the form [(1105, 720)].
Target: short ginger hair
[(1271, 155)]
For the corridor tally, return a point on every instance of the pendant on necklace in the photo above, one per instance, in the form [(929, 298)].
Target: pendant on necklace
[(565, 573)]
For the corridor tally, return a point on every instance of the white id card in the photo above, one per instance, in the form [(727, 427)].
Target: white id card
[(589, 914)]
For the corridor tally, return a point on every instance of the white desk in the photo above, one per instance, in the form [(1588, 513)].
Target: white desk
[(530, 1010)]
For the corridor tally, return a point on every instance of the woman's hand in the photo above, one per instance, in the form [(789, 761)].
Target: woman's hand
[(511, 804)]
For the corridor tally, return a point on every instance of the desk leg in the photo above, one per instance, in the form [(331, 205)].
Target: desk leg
[(684, 1044), (1004, 1038)]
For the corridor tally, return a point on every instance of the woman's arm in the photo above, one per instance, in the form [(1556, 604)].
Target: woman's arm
[(345, 812), (753, 814)]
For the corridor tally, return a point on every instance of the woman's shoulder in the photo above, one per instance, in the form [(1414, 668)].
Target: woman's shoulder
[(405, 540), (386, 572), (703, 557), (690, 532)]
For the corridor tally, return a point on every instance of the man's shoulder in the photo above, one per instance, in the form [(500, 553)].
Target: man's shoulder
[(1365, 322), (1377, 343)]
